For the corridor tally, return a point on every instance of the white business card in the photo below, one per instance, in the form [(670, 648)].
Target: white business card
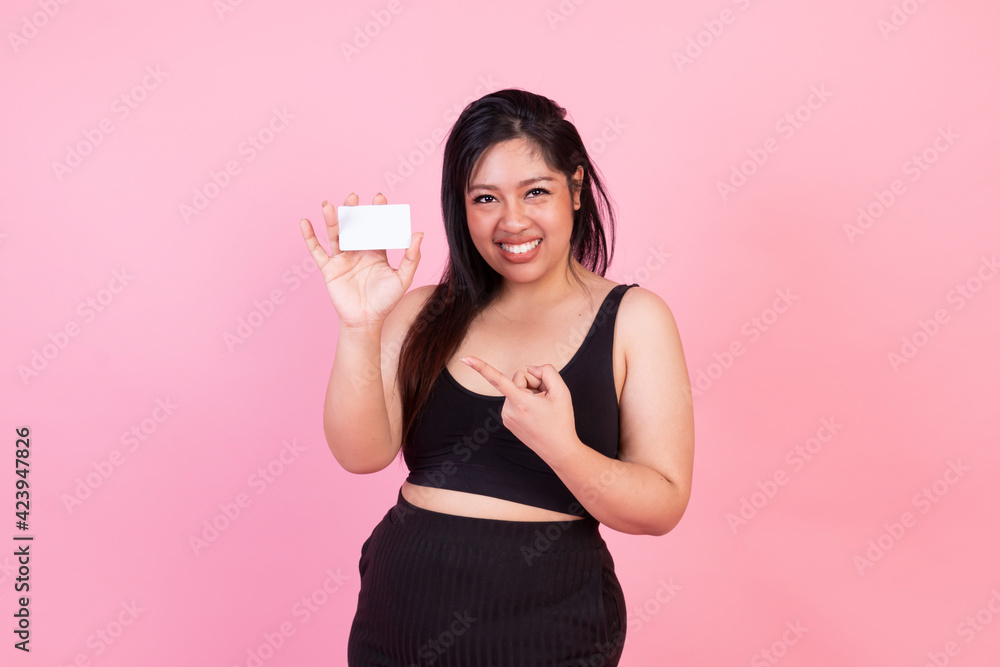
[(374, 227)]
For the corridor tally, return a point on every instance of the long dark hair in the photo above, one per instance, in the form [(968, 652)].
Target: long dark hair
[(468, 283)]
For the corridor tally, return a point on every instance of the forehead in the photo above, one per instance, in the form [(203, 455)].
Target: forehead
[(508, 160)]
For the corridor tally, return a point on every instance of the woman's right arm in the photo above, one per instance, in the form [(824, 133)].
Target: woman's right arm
[(361, 417)]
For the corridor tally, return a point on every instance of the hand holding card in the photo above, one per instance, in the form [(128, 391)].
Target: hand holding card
[(362, 285)]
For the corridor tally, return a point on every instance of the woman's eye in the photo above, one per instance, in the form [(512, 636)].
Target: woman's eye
[(481, 198)]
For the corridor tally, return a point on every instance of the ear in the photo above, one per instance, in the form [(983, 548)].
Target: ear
[(577, 186)]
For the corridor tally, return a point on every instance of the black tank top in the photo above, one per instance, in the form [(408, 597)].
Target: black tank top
[(460, 442)]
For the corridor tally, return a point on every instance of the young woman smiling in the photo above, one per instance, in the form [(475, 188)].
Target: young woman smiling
[(532, 400)]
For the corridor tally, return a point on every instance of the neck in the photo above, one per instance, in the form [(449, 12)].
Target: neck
[(542, 296)]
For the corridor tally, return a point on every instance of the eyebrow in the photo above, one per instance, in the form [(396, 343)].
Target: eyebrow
[(529, 181)]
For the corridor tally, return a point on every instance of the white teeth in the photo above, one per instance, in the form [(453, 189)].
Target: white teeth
[(524, 247)]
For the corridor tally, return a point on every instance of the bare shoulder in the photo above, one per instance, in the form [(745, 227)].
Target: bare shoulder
[(646, 324), (641, 309)]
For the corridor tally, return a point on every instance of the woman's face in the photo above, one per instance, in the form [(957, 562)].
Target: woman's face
[(515, 198)]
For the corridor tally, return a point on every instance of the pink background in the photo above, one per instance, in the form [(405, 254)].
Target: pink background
[(665, 132)]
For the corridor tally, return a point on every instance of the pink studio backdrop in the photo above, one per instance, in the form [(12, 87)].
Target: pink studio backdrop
[(811, 187)]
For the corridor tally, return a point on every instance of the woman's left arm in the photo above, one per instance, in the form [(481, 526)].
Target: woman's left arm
[(645, 491)]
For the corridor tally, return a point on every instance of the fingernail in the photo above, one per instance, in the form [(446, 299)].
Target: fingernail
[(323, 205), (379, 195)]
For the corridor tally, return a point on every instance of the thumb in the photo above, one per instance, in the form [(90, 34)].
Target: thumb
[(552, 382), (408, 265)]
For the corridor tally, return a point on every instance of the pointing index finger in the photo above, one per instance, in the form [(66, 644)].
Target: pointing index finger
[(503, 384)]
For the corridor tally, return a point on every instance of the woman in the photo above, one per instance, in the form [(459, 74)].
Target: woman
[(533, 400)]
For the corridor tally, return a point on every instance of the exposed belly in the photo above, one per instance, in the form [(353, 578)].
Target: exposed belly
[(447, 501)]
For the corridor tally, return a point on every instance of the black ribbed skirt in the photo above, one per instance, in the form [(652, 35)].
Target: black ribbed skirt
[(441, 589)]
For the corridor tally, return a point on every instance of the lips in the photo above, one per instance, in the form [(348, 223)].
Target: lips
[(519, 240)]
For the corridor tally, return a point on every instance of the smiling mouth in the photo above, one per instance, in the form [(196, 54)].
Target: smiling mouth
[(522, 248)]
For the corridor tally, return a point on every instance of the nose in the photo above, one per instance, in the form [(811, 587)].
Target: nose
[(514, 216)]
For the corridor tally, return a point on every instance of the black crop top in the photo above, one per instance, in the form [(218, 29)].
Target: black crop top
[(460, 443)]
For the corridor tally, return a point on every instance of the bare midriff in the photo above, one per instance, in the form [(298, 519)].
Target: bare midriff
[(461, 503)]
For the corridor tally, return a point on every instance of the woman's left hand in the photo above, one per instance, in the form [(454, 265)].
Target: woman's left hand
[(538, 408)]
